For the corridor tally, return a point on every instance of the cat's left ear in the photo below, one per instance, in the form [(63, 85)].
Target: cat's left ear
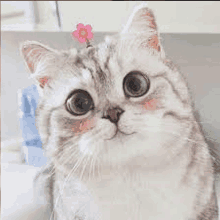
[(142, 28), (35, 53)]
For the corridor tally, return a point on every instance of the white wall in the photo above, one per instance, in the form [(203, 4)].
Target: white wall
[(109, 16), (187, 16), (172, 16)]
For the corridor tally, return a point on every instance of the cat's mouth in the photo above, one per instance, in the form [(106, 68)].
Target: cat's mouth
[(120, 133)]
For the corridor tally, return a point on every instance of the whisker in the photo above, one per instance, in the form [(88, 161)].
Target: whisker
[(90, 167), (192, 120), (215, 153), (65, 181), (99, 173), (94, 164), (67, 155), (88, 157)]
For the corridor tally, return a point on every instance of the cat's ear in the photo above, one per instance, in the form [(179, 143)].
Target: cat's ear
[(34, 53), (142, 26)]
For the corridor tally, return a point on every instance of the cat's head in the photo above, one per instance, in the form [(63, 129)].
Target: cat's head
[(118, 103)]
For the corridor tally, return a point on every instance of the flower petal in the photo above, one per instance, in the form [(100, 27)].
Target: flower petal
[(88, 28), (75, 34), (90, 35), (82, 39), (79, 26)]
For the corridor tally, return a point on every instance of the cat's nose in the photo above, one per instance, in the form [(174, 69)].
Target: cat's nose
[(113, 114)]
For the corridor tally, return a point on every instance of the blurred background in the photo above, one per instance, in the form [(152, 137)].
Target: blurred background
[(190, 34), (107, 16)]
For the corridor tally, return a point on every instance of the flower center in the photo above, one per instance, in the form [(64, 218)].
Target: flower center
[(83, 33)]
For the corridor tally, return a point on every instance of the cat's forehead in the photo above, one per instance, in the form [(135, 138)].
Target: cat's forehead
[(105, 65), (111, 55)]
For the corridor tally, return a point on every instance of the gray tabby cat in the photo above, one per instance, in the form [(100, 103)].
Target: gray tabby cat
[(118, 125)]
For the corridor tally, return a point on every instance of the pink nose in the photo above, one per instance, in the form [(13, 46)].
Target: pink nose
[(113, 114)]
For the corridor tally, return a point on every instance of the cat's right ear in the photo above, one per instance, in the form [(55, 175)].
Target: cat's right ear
[(34, 53)]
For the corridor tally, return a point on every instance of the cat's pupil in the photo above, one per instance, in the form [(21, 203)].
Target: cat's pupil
[(79, 103), (135, 84)]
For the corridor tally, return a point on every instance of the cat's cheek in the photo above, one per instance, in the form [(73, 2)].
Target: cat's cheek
[(150, 105), (83, 125)]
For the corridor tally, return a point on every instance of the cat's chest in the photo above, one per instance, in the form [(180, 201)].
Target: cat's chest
[(152, 200), (150, 197)]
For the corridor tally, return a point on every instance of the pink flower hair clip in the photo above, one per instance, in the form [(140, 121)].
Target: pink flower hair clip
[(83, 34)]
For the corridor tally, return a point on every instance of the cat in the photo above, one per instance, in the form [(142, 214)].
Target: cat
[(118, 126)]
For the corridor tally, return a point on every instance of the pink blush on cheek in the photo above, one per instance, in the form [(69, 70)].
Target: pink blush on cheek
[(150, 105), (43, 81), (83, 125)]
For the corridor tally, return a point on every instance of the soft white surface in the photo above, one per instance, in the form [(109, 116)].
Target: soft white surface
[(16, 187)]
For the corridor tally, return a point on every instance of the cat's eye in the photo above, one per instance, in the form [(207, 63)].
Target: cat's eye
[(136, 84), (79, 102)]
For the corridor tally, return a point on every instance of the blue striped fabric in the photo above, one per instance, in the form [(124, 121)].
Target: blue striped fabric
[(32, 144)]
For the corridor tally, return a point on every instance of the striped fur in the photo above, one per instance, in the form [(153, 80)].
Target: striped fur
[(157, 167)]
